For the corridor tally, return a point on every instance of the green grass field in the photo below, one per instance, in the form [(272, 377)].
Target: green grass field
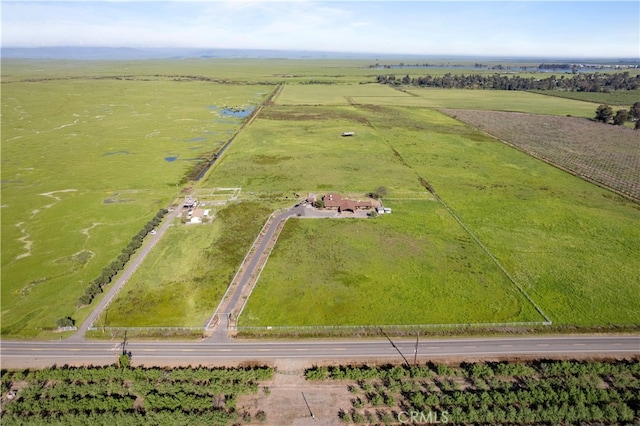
[(620, 98), (291, 149), (415, 266), (380, 95), (184, 278), (571, 245), (83, 174)]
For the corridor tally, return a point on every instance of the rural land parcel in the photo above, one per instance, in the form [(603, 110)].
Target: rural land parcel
[(504, 237)]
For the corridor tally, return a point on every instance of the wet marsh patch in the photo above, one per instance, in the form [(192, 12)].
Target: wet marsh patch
[(107, 154), (105, 137), (76, 259)]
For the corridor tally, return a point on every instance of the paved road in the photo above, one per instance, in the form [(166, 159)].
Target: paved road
[(21, 354), (238, 293), (234, 303)]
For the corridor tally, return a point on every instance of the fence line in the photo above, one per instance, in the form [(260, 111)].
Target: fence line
[(147, 328), (388, 327), (268, 251), (240, 269), (331, 327), (495, 260)]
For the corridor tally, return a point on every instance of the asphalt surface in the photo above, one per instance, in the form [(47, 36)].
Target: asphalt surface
[(22, 354), (234, 302)]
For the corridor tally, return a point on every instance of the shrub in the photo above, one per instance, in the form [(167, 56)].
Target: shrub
[(317, 373), (65, 322), (261, 416)]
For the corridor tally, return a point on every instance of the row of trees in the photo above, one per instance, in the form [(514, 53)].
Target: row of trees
[(584, 82), (546, 391), (476, 370), (605, 114), (96, 286), (129, 396), (94, 374)]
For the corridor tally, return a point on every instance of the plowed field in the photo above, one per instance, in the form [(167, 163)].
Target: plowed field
[(605, 154)]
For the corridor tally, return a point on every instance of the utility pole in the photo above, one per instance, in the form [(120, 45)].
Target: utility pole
[(124, 342)]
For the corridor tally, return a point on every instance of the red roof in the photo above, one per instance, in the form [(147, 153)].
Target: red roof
[(332, 201)]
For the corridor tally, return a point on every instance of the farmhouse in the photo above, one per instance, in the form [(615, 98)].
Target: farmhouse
[(336, 202)]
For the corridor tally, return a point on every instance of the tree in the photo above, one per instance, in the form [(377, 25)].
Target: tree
[(378, 193), (65, 322), (637, 126), (85, 299), (124, 360), (604, 113), (634, 112), (621, 117)]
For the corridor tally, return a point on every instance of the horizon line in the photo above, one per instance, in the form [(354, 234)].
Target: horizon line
[(319, 52)]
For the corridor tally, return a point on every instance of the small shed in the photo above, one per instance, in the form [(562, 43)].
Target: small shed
[(344, 134), (189, 203)]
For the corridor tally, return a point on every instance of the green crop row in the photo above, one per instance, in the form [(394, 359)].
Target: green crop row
[(541, 391), (128, 395)]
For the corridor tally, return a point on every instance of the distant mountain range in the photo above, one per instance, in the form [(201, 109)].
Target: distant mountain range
[(129, 53)]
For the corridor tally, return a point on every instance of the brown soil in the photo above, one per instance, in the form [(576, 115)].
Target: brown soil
[(285, 402)]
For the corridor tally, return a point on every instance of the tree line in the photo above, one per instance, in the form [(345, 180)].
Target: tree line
[(117, 265), (605, 114), (583, 82)]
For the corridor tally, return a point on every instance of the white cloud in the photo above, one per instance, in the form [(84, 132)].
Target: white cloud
[(480, 28)]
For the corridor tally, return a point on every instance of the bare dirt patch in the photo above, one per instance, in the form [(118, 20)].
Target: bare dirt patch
[(604, 154), (284, 403)]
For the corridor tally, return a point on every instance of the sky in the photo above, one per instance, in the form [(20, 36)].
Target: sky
[(604, 29)]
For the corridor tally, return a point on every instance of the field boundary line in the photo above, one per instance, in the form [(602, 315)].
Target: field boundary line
[(494, 259), (541, 157), (217, 157), (152, 328)]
